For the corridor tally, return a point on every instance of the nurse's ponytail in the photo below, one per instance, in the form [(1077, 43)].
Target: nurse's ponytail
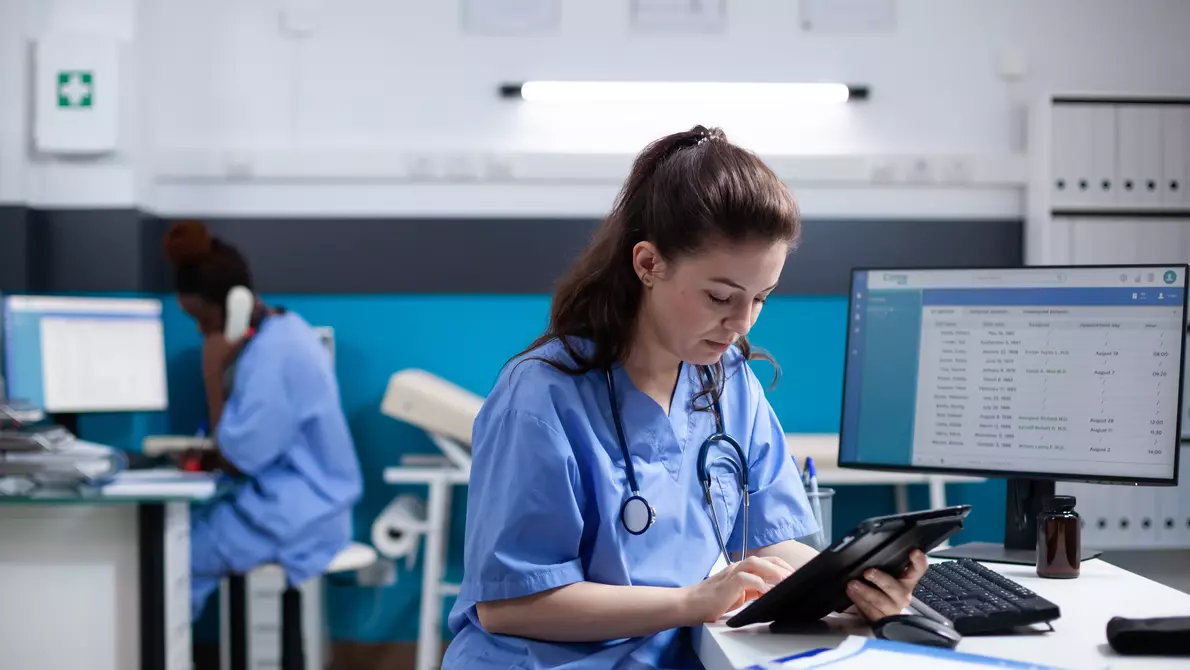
[(685, 190)]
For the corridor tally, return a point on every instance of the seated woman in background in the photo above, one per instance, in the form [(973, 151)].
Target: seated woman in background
[(277, 423)]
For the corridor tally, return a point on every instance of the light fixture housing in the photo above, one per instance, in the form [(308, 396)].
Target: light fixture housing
[(692, 91)]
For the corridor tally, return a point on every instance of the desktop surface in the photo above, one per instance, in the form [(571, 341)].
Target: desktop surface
[(1079, 638), (95, 495), (1058, 373), (155, 485)]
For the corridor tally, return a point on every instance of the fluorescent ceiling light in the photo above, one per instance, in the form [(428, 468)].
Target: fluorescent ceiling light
[(672, 91)]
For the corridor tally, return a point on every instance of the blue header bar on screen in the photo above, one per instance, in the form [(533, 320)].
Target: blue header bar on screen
[(1074, 297)]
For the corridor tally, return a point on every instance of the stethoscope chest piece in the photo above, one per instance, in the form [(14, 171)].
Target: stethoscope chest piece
[(637, 515)]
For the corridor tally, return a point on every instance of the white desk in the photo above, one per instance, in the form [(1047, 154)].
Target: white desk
[(1079, 639), (824, 449), (94, 582), (900, 480)]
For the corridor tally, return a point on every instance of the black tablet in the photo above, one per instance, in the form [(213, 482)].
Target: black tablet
[(819, 587)]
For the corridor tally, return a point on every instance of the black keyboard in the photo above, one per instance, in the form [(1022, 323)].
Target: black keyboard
[(979, 600)]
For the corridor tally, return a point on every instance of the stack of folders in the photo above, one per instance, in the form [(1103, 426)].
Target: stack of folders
[(35, 450), (864, 652)]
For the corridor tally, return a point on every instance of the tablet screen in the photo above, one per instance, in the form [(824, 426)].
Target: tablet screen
[(819, 587)]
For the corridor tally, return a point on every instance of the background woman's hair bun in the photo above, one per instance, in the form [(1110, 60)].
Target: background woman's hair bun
[(187, 242)]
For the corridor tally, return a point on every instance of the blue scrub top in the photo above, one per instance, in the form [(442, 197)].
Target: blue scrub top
[(548, 481), (283, 427)]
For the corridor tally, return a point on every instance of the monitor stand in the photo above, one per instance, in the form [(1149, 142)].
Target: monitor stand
[(1024, 501), (68, 420)]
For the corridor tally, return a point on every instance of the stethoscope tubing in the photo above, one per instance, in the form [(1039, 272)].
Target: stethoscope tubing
[(637, 515)]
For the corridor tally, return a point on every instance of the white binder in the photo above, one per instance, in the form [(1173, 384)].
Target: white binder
[(1144, 513), (1138, 164), (1183, 496), (1168, 507), (1101, 124), (1185, 408), (1175, 138), (1071, 155)]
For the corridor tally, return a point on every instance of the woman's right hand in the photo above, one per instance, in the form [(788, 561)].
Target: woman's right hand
[(735, 585), (181, 458)]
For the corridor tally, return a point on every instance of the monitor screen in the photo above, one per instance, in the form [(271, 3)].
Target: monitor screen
[(71, 354), (1054, 373)]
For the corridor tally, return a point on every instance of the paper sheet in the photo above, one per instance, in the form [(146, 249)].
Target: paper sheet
[(164, 482), (77, 459), (863, 652)]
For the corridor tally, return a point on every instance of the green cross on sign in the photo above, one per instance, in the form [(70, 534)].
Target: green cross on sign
[(75, 88)]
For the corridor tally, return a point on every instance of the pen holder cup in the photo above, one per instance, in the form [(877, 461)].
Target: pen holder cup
[(820, 506)]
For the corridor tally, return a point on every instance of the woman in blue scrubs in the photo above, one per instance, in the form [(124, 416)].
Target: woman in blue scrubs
[(589, 541), (278, 426)]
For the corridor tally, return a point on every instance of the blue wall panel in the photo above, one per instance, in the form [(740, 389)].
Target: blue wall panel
[(466, 339)]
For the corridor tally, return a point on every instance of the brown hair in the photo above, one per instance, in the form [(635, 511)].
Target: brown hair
[(684, 190), (204, 265)]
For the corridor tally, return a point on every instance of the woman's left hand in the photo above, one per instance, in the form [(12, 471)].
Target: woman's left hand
[(893, 594)]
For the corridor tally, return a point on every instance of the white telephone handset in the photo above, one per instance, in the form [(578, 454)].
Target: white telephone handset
[(240, 304)]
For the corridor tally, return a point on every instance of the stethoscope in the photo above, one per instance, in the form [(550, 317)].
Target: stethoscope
[(637, 515)]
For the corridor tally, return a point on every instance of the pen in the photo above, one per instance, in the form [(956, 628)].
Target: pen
[(194, 464), (812, 477)]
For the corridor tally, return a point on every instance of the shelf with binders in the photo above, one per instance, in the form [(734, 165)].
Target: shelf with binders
[(1118, 157), (1135, 517)]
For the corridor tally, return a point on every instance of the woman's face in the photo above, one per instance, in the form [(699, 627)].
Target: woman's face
[(207, 315), (699, 305)]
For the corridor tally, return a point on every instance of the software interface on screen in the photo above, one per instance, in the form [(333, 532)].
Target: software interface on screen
[(1054, 371), (85, 354)]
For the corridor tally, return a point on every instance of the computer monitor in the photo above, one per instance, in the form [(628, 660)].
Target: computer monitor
[(71, 355), (1033, 374)]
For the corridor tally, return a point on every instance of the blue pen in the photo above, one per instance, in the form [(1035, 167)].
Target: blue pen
[(815, 505)]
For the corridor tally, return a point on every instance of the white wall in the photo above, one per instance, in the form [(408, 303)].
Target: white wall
[(227, 90), (12, 101), (29, 176), (400, 74)]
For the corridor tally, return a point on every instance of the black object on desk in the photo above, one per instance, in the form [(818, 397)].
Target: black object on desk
[(980, 600), (1059, 538), (1025, 501), (1165, 636), (68, 420), (916, 629), (138, 461), (820, 586)]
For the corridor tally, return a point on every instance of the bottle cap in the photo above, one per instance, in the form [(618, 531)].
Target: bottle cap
[(1059, 503)]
